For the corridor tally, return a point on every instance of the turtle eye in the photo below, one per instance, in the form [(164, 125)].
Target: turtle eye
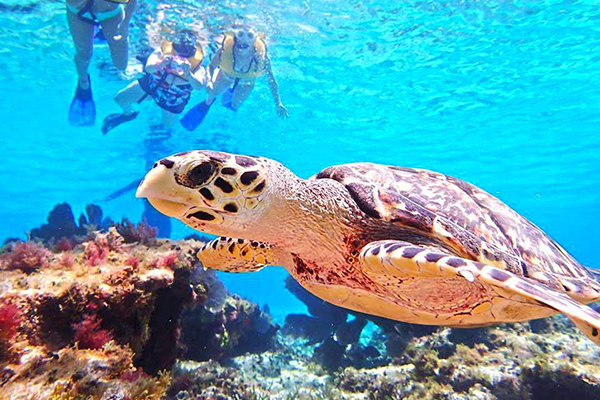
[(201, 173)]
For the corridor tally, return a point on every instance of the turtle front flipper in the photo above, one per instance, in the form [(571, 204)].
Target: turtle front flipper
[(235, 255), (396, 258)]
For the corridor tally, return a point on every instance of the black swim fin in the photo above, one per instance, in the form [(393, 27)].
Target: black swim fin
[(113, 120), (82, 111)]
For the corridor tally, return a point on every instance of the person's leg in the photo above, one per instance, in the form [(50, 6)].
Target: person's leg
[(220, 84), (128, 96), (83, 38), (169, 118), (117, 38), (133, 93), (241, 93)]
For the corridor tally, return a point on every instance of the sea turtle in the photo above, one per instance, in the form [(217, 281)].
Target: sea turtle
[(407, 244)]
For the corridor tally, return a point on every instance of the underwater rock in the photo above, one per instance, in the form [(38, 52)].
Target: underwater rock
[(326, 312), (61, 223), (306, 326), (72, 373), (94, 215), (211, 292), (238, 327), (82, 329), (324, 320), (329, 322), (162, 347), (330, 354), (209, 380), (280, 375), (61, 227), (518, 364)]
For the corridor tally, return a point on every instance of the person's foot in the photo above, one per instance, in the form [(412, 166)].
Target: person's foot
[(113, 120), (227, 98), (84, 82)]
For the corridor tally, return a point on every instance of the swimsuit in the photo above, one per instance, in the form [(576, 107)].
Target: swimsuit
[(159, 85), (257, 64), (169, 97), (85, 13)]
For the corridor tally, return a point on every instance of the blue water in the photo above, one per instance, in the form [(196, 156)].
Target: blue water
[(502, 94)]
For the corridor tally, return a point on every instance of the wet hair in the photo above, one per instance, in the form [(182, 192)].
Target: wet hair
[(185, 43)]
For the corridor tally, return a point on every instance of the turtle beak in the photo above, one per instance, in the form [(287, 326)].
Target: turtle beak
[(161, 190)]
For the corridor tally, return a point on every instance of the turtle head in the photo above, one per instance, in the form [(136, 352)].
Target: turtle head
[(213, 192)]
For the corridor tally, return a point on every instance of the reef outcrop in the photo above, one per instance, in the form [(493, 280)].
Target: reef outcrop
[(100, 318)]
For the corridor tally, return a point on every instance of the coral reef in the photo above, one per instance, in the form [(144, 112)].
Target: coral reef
[(71, 373), (118, 314), (517, 364), (84, 323)]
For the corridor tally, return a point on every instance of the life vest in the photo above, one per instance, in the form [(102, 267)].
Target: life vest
[(257, 64), (195, 60)]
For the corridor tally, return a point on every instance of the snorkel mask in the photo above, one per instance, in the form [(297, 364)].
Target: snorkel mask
[(244, 36), (185, 43)]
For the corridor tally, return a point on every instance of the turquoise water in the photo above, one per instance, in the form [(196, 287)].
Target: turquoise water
[(501, 94)]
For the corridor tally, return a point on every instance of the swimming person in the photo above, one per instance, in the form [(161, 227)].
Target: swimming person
[(84, 17), (241, 59), (171, 73)]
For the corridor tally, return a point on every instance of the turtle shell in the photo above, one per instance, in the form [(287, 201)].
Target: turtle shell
[(462, 217)]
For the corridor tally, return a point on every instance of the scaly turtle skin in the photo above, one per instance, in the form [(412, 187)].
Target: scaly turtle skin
[(406, 244)]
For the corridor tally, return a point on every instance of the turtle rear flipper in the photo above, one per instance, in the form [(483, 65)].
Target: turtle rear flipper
[(391, 257), (235, 255)]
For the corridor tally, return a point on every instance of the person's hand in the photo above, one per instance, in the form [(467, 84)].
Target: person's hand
[(185, 68), (166, 61), (282, 111)]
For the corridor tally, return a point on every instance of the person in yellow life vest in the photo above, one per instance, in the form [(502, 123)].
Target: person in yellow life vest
[(85, 19), (171, 73), (233, 70)]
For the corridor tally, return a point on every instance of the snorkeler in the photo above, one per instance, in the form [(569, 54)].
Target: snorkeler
[(241, 59), (171, 73), (84, 18)]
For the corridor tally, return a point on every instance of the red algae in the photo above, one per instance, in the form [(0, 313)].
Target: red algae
[(169, 260), (64, 244), (89, 335), (67, 260), (10, 319), (136, 233), (133, 261), (27, 257)]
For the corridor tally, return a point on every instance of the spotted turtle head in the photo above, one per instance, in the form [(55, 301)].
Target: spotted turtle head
[(214, 192)]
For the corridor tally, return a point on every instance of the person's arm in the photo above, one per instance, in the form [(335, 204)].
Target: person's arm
[(154, 62), (281, 110), (197, 79), (214, 62), (129, 9)]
